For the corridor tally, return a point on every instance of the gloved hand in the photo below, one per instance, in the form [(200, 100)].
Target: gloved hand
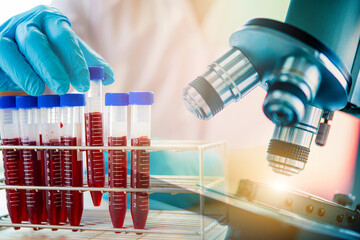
[(38, 47)]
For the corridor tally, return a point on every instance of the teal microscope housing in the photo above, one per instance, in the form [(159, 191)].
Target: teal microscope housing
[(309, 66)]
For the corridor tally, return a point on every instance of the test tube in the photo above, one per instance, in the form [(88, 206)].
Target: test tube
[(29, 136), (140, 159), (94, 133), (9, 130), (50, 129), (116, 106), (40, 155), (72, 109)]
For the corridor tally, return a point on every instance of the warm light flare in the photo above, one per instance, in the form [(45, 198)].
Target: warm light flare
[(281, 186)]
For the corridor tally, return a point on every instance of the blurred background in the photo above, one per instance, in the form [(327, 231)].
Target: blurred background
[(243, 125)]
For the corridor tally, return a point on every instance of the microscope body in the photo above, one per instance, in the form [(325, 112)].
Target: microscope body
[(308, 65)]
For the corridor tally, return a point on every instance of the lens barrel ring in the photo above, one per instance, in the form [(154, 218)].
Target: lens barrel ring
[(208, 93), (290, 88), (288, 150)]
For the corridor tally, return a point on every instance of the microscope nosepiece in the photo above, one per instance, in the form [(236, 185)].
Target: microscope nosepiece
[(284, 107), (292, 86), (228, 79)]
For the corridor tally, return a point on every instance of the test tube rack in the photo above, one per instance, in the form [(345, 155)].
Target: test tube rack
[(161, 224)]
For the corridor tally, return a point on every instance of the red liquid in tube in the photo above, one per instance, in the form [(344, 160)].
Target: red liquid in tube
[(53, 178), (32, 177), (63, 215), (140, 178), (42, 162), (13, 176), (95, 158), (117, 179), (24, 213), (72, 178)]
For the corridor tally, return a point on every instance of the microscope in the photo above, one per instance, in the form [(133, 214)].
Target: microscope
[(309, 66)]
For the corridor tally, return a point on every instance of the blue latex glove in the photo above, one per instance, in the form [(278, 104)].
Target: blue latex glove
[(38, 47)]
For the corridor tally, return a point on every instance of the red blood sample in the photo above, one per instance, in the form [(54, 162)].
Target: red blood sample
[(63, 215), (24, 213), (73, 178), (140, 172), (41, 157), (13, 176), (32, 177), (95, 158), (117, 179), (53, 178)]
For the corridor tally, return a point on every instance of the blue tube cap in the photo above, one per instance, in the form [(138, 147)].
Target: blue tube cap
[(141, 98), (7, 102), (26, 102), (49, 101), (116, 99), (72, 100), (96, 73)]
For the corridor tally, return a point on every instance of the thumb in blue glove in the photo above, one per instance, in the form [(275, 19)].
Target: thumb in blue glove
[(38, 47)]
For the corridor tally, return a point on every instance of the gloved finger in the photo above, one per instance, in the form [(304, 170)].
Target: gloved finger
[(13, 63), (4, 81), (6, 84), (13, 87), (94, 59), (37, 51), (64, 43)]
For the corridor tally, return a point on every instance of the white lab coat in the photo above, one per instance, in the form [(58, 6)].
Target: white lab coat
[(159, 46), (152, 46)]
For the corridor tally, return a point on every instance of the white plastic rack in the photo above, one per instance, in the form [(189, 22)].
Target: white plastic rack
[(174, 224)]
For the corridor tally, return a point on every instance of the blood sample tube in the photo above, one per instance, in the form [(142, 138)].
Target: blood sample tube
[(72, 109), (29, 136), (94, 133), (50, 129), (50, 104), (40, 155), (140, 159), (9, 130), (116, 106)]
